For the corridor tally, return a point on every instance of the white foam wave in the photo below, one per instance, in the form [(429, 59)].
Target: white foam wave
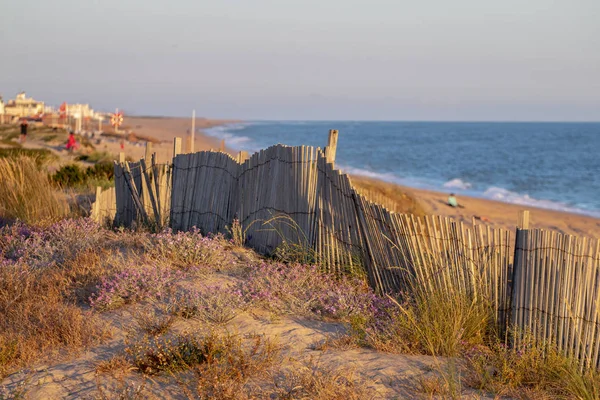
[(507, 196), (386, 177), (457, 184), (232, 140), (492, 193)]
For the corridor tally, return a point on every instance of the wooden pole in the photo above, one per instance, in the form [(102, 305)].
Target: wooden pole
[(193, 131), (148, 154), (121, 157), (331, 148), (176, 146), (523, 219), (517, 283)]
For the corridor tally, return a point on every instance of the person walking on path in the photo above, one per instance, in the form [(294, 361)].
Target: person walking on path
[(71, 143), (23, 130)]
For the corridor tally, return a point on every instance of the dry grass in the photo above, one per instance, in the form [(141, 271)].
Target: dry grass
[(391, 196), (117, 365), (27, 194), (154, 322), (38, 318), (531, 371), (312, 381)]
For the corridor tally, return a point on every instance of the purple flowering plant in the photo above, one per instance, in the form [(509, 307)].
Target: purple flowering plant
[(189, 250), (132, 285)]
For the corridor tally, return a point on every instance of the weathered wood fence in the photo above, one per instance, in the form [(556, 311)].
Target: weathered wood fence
[(143, 192), (104, 208), (556, 295), (294, 195)]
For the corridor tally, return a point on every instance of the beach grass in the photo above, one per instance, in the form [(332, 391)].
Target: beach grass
[(26, 192)]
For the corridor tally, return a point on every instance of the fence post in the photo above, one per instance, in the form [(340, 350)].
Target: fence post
[(121, 157), (331, 147), (176, 146), (96, 206), (148, 153), (517, 282), (242, 156)]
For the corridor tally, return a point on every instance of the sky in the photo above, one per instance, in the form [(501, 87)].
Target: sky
[(510, 60)]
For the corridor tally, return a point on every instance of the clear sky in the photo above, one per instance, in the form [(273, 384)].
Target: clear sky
[(309, 59)]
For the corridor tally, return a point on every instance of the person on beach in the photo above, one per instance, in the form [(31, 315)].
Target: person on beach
[(24, 125), (452, 202), (71, 142)]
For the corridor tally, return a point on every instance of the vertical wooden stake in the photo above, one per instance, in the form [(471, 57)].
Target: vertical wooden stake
[(148, 154), (331, 148), (523, 219), (193, 132), (121, 157), (176, 146), (96, 210), (517, 284)]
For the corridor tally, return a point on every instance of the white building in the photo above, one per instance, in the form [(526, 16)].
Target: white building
[(23, 106)]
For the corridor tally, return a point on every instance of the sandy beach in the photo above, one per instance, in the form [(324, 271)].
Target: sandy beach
[(499, 214)]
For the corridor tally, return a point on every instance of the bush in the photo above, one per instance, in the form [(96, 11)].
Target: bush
[(306, 289), (69, 175), (212, 304), (27, 194), (187, 250), (131, 285), (73, 175), (103, 170)]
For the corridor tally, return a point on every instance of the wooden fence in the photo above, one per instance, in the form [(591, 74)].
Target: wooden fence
[(142, 192), (294, 195), (104, 208), (556, 296)]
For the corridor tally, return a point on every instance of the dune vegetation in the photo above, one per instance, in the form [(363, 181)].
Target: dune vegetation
[(115, 313)]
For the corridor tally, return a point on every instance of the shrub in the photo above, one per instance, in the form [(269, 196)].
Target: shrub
[(26, 193), (306, 289), (57, 243), (131, 285), (69, 175), (215, 304), (103, 170), (190, 249)]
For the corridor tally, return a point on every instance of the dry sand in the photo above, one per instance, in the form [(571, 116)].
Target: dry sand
[(498, 214)]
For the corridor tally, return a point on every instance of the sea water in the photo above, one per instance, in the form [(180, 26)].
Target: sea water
[(548, 165)]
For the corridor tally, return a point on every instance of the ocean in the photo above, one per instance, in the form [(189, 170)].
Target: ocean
[(548, 165)]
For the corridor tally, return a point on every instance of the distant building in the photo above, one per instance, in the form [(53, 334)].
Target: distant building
[(80, 111), (24, 106), (1, 106)]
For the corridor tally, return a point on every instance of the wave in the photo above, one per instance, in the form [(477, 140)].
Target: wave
[(457, 184), (233, 141), (492, 193), (507, 196)]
